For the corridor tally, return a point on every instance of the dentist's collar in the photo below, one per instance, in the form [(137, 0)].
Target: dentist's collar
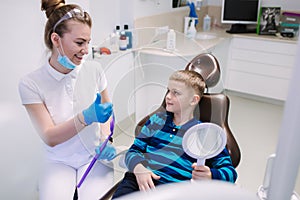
[(58, 75)]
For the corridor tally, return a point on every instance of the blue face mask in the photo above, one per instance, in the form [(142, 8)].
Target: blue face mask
[(65, 61)]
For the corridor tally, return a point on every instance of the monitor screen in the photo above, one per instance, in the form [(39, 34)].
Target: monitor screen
[(240, 12)]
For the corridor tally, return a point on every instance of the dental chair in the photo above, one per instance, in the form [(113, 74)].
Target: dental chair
[(212, 107)]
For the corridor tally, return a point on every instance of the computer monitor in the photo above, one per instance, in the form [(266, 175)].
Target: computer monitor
[(240, 13)]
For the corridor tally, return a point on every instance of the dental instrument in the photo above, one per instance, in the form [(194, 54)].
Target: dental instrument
[(112, 126)]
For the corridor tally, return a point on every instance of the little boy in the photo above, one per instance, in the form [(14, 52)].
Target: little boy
[(157, 157)]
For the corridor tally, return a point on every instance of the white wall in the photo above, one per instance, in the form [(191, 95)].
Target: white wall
[(105, 17), (21, 51), (150, 7), (120, 12)]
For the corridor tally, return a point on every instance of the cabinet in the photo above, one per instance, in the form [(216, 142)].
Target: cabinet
[(260, 67)]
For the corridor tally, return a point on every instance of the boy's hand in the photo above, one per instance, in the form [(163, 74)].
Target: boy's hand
[(144, 177), (200, 172)]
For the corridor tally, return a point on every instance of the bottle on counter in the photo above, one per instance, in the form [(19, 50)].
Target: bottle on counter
[(191, 32), (128, 36), (114, 39), (122, 41), (171, 40), (114, 42), (118, 30), (206, 23)]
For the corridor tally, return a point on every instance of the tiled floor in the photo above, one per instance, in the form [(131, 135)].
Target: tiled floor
[(255, 125)]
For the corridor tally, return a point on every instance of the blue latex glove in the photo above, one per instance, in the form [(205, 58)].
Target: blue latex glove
[(97, 112), (108, 153)]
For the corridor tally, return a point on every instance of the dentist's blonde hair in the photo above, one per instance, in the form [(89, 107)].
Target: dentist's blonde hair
[(55, 10)]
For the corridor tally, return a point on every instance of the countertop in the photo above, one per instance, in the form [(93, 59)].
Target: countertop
[(278, 38), (184, 46), (148, 42), (190, 47)]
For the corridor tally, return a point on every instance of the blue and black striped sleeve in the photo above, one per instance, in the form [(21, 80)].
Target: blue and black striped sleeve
[(136, 152), (221, 167)]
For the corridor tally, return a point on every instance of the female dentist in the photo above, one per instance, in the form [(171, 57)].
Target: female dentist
[(67, 100)]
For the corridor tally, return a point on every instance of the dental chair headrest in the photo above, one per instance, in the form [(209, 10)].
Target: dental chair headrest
[(208, 66)]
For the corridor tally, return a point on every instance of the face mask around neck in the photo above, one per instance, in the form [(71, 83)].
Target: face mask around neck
[(65, 61)]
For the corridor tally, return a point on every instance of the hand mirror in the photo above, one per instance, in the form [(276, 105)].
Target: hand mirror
[(204, 141)]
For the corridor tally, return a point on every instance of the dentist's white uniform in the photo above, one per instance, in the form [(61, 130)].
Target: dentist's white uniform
[(65, 95)]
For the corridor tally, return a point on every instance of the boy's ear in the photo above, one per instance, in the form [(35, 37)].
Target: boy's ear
[(195, 100)]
